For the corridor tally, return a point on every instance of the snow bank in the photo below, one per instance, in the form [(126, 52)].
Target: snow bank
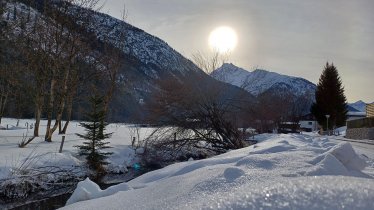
[(348, 157), (341, 131), (88, 189), (339, 160), (283, 172)]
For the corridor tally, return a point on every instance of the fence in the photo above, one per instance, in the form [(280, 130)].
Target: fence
[(361, 123)]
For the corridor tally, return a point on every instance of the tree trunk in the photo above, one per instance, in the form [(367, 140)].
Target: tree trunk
[(48, 136), (3, 101), (60, 128), (69, 110), (38, 114), (109, 95), (61, 105)]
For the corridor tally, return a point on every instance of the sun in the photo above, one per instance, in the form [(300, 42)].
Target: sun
[(223, 39)]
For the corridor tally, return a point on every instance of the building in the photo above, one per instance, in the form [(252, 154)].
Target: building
[(308, 123), (355, 115), (370, 110), (308, 126)]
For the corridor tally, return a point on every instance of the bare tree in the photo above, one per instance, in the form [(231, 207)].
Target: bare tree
[(58, 48), (194, 114), (107, 64), (198, 113), (208, 62), (8, 75), (54, 46)]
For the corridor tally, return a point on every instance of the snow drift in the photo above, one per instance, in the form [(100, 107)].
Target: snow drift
[(88, 189), (284, 172)]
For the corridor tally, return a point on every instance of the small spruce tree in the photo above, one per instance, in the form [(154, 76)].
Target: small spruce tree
[(95, 136), (330, 99)]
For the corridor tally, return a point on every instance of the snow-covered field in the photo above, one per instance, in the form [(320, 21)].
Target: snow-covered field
[(282, 172), (40, 153)]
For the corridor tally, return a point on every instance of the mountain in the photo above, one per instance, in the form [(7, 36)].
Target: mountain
[(359, 106), (150, 61), (260, 81), (271, 88), (351, 109), (147, 60)]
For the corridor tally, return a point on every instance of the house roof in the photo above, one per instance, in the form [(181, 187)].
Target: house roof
[(356, 114)]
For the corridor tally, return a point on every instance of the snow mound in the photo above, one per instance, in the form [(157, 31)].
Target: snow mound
[(273, 147), (255, 161), (283, 172), (88, 189), (339, 160), (348, 157), (341, 131), (63, 160), (330, 165)]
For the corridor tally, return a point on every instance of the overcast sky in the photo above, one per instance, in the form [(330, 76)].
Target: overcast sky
[(292, 37)]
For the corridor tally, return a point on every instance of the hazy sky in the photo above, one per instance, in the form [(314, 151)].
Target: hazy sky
[(292, 37)]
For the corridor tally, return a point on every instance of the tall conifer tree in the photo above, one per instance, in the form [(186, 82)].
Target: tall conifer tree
[(95, 136), (330, 99)]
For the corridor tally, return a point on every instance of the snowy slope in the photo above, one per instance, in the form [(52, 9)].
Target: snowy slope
[(148, 49), (283, 172), (359, 106), (259, 81), (133, 41)]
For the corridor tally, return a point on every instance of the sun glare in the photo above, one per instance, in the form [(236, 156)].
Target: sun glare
[(223, 39)]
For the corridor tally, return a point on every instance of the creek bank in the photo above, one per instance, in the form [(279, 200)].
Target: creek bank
[(45, 200)]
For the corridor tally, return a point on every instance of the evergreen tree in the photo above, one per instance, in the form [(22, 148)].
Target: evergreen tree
[(330, 99), (95, 136)]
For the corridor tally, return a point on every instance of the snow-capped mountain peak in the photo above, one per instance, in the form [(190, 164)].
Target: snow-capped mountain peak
[(260, 81), (359, 105)]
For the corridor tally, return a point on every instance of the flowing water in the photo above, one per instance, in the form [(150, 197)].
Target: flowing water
[(59, 200)]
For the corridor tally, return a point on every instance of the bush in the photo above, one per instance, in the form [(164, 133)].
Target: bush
[(18, 188)]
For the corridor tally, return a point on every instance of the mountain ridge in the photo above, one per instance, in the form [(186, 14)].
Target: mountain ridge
[(359, 106), (260, 81)]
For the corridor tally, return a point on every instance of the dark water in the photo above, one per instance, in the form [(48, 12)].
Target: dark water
[(58, 201), (51, 203)]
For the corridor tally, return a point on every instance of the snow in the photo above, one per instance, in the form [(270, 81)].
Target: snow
[(290, 171), (340, 160), (341, 131), (88, 189), (281, 172), (43, 154), (147, 48), (360, 114), (259, 81)]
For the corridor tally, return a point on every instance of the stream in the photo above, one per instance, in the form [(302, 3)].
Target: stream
[(58, 200)]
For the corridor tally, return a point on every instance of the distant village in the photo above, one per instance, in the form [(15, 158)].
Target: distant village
[(360, 124)]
